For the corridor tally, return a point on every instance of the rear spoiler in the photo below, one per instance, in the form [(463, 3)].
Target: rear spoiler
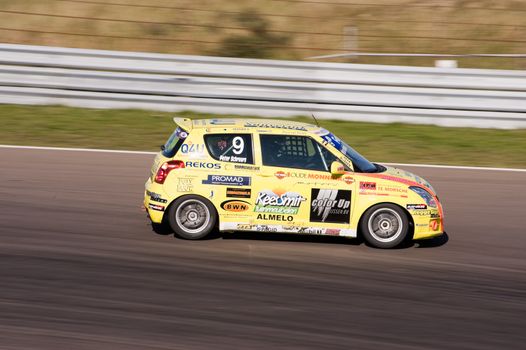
[(184, 123)]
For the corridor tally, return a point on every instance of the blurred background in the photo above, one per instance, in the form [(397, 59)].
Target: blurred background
[(278, 29), (375, 68)]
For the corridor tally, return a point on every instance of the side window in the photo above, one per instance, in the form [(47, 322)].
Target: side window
[(173, 144), (290, 151), (233, 148), (329, 157)]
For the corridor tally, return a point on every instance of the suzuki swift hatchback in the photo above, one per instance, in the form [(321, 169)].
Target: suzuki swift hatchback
[(283, 176)]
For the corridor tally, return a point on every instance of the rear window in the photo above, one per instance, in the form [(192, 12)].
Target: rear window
[(174, 142), (233, 148)]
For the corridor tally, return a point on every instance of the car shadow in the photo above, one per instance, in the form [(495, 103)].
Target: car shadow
[(433, 242), (161, 229), (165, 230)]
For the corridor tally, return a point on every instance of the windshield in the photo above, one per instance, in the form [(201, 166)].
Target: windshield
[(360, 163), (173, 144)]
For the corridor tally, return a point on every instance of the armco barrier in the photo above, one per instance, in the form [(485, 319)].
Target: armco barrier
[(110, 79)]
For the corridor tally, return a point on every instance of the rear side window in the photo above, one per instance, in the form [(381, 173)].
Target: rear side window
[(173, 144), (233, 148)]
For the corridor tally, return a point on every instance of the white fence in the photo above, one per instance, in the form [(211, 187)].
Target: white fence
[(374, 93)]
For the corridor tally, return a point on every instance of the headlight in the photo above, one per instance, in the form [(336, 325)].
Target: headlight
[(430, 201)]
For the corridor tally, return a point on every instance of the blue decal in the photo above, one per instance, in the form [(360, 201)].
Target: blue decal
[(222, 122), (192, 148), (333, 140), (229, 180)]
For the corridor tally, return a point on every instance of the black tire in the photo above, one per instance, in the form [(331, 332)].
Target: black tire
[(192, 217), (384, 225)]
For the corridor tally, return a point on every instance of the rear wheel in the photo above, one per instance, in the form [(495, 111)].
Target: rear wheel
[(385, 226), (192, 217)]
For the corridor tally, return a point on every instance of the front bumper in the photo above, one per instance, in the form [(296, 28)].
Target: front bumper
[(428, 223)]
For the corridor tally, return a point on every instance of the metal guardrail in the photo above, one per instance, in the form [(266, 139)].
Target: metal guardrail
[(109, 79)]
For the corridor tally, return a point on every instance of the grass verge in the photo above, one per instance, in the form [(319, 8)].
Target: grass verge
[(145, 130)]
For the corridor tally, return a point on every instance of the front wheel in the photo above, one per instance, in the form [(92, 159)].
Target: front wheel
[(385, 226), (192, 217)]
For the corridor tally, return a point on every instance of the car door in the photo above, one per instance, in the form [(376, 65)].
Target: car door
[(295, 190), (230, 189)]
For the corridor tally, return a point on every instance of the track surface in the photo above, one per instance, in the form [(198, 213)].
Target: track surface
[(80, 268)]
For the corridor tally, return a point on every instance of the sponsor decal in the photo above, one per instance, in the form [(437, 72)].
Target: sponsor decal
[(310, 231), (433, 225), (233, 159), (278, 202), (280, 175), (237, 147), (275, 126), (227, 180), (235, 205), (266, 228), (416, 206), (322, 177), (311, 176), (238, 192), (156, 197), (245, 226), (332, 231), (156, 207), (275, 217), (222, 122), (429, 212), (192, 148), (184, 185), (332, 206), (396, 189), (246, 167), (347, 162), (367, 186), (201, 165), (348, 179), (333, 140)]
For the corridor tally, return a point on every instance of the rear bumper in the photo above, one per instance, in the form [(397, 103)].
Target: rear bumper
[(155, 201)]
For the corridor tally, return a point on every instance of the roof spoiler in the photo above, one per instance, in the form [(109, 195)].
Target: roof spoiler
[(184, 123)]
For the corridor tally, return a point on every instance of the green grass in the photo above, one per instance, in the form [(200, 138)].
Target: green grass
[(146, 130)]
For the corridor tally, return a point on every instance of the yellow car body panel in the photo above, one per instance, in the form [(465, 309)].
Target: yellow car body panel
[(251, 196)]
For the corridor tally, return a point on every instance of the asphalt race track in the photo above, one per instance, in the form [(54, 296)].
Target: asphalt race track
[(80, 268)]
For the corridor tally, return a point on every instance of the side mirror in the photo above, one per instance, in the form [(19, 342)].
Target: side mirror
[(163, 148), (337, 169)]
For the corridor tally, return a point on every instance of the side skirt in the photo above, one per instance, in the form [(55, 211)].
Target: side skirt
[(234, 226)]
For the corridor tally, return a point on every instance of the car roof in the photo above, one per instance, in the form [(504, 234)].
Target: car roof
[(227, 123)]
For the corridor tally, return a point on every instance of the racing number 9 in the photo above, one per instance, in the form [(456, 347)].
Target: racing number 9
[(239, 145)]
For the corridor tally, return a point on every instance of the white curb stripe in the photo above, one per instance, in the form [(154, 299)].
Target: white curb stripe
[(153, 153), (76, 149), (459, 167)]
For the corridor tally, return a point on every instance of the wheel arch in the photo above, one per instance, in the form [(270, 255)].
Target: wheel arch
[(167, 209), (411, 231)]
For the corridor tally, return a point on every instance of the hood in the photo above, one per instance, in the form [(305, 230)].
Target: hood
[(405, 177)]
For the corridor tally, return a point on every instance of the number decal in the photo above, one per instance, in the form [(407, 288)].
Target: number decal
[(239, 144)]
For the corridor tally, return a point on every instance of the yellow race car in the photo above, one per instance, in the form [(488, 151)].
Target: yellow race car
[(283, 176)]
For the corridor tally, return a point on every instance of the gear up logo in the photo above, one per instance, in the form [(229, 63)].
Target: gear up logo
[(331, 206)]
